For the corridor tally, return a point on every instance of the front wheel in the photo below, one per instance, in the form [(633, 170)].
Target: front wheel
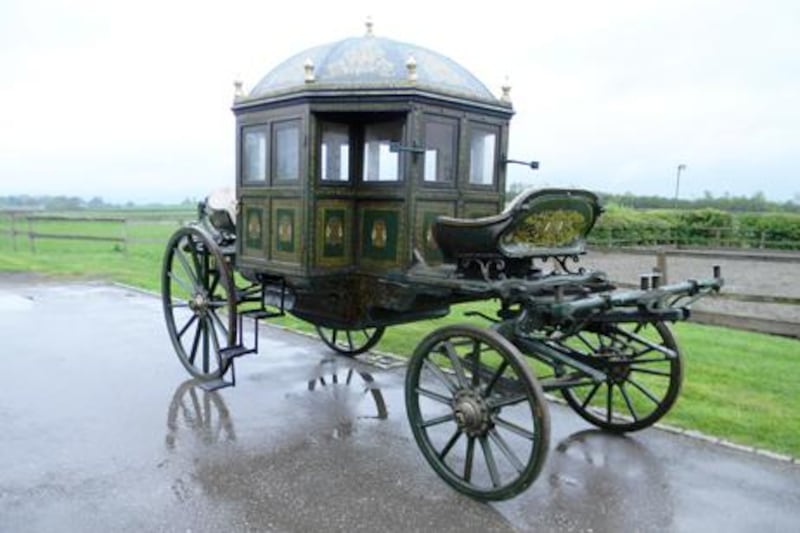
[(477, 412), (643, 369), (199, 300)]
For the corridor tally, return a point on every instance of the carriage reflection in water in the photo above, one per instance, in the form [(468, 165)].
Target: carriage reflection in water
[(370, 185)]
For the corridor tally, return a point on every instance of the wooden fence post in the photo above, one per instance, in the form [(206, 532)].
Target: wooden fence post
[(125, 235), (31, 236), (14, 231), (661, 264)]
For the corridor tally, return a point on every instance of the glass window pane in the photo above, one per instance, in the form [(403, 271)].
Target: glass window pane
[(335, 164), (481, 157), (254, 154), (287, 150), (380, 163), (440, 139)]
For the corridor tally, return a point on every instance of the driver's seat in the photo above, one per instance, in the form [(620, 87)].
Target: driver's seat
[(537, 223)]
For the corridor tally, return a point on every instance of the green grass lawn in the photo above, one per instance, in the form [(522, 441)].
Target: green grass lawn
[(737, 385)]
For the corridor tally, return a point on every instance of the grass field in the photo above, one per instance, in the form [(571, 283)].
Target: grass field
[(739, 386)]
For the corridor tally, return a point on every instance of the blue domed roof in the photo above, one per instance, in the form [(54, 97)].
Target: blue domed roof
[(371, 62)]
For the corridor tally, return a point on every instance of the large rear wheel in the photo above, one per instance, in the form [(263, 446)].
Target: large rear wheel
[(199, 300), (477, 412)]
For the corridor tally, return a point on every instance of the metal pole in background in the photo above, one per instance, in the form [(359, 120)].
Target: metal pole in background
[(681, 168)]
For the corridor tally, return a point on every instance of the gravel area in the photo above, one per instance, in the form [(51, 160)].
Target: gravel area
[(743, 274)]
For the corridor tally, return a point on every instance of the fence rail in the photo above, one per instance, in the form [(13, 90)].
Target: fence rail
[(122, 236), (25, 226), (714, 237), (759, 324)]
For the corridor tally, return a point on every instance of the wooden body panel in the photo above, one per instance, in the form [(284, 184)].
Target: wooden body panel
[(337, 243)]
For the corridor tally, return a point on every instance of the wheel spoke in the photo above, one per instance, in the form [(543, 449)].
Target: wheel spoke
[(434, 396), (455, 361), (507, 451), (214, 282), (644, 391), (186, 327), (497, 403), (218, 321), (609, 395), (476, 365), (438, 420), (189, 272), (662, 373), (184, 285), (349, 376), (195, 343), (500, 369), (628, 401), (645, 361), (670, 354), (588, 344), (510, 426), (470, 457), (214, 336), (206, 347), (591, 395), (440, 375), (449, 445), (349, 340), (488, 455)]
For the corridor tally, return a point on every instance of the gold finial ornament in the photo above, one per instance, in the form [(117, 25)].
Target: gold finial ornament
[(238, 91), (506, 88), (411, 67), (308, 66)]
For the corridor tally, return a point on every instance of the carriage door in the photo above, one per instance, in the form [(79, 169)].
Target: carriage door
[(359, 193)]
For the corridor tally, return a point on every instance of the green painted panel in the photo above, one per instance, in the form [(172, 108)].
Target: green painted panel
[(333, 235), (254, 228), (430, 250), (423, 236), (287, 232), (380, 230)]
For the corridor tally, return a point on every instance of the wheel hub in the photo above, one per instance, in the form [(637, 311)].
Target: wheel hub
[(471, 413), (618, 371), (198, 303)]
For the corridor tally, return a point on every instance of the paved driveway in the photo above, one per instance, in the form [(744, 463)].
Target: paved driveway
[(101, 431)]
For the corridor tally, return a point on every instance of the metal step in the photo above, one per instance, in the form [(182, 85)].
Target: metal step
[(260, 314), (234, 351), (214, 384)]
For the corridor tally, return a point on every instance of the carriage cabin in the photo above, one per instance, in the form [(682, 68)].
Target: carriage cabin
[(347, 152)]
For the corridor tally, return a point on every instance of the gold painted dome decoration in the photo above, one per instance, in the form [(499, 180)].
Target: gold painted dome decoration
[(369, 65)]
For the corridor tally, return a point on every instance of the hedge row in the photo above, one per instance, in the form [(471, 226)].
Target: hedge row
[(697, 227)]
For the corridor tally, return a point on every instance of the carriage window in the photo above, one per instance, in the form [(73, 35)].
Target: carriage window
[(254, 153), (335, 152), (380, 163), (286, 139), (481, 156), (440, 139)]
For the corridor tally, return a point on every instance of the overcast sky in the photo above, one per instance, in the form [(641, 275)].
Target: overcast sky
[(131, 100)]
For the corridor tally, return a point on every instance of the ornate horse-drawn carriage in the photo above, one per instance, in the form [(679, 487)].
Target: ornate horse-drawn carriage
[(369, 193)]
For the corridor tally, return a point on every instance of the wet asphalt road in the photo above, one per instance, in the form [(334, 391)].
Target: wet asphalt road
[(101, 431)]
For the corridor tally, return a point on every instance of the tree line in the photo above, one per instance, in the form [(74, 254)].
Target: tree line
[(757, 203), (68, 203)]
